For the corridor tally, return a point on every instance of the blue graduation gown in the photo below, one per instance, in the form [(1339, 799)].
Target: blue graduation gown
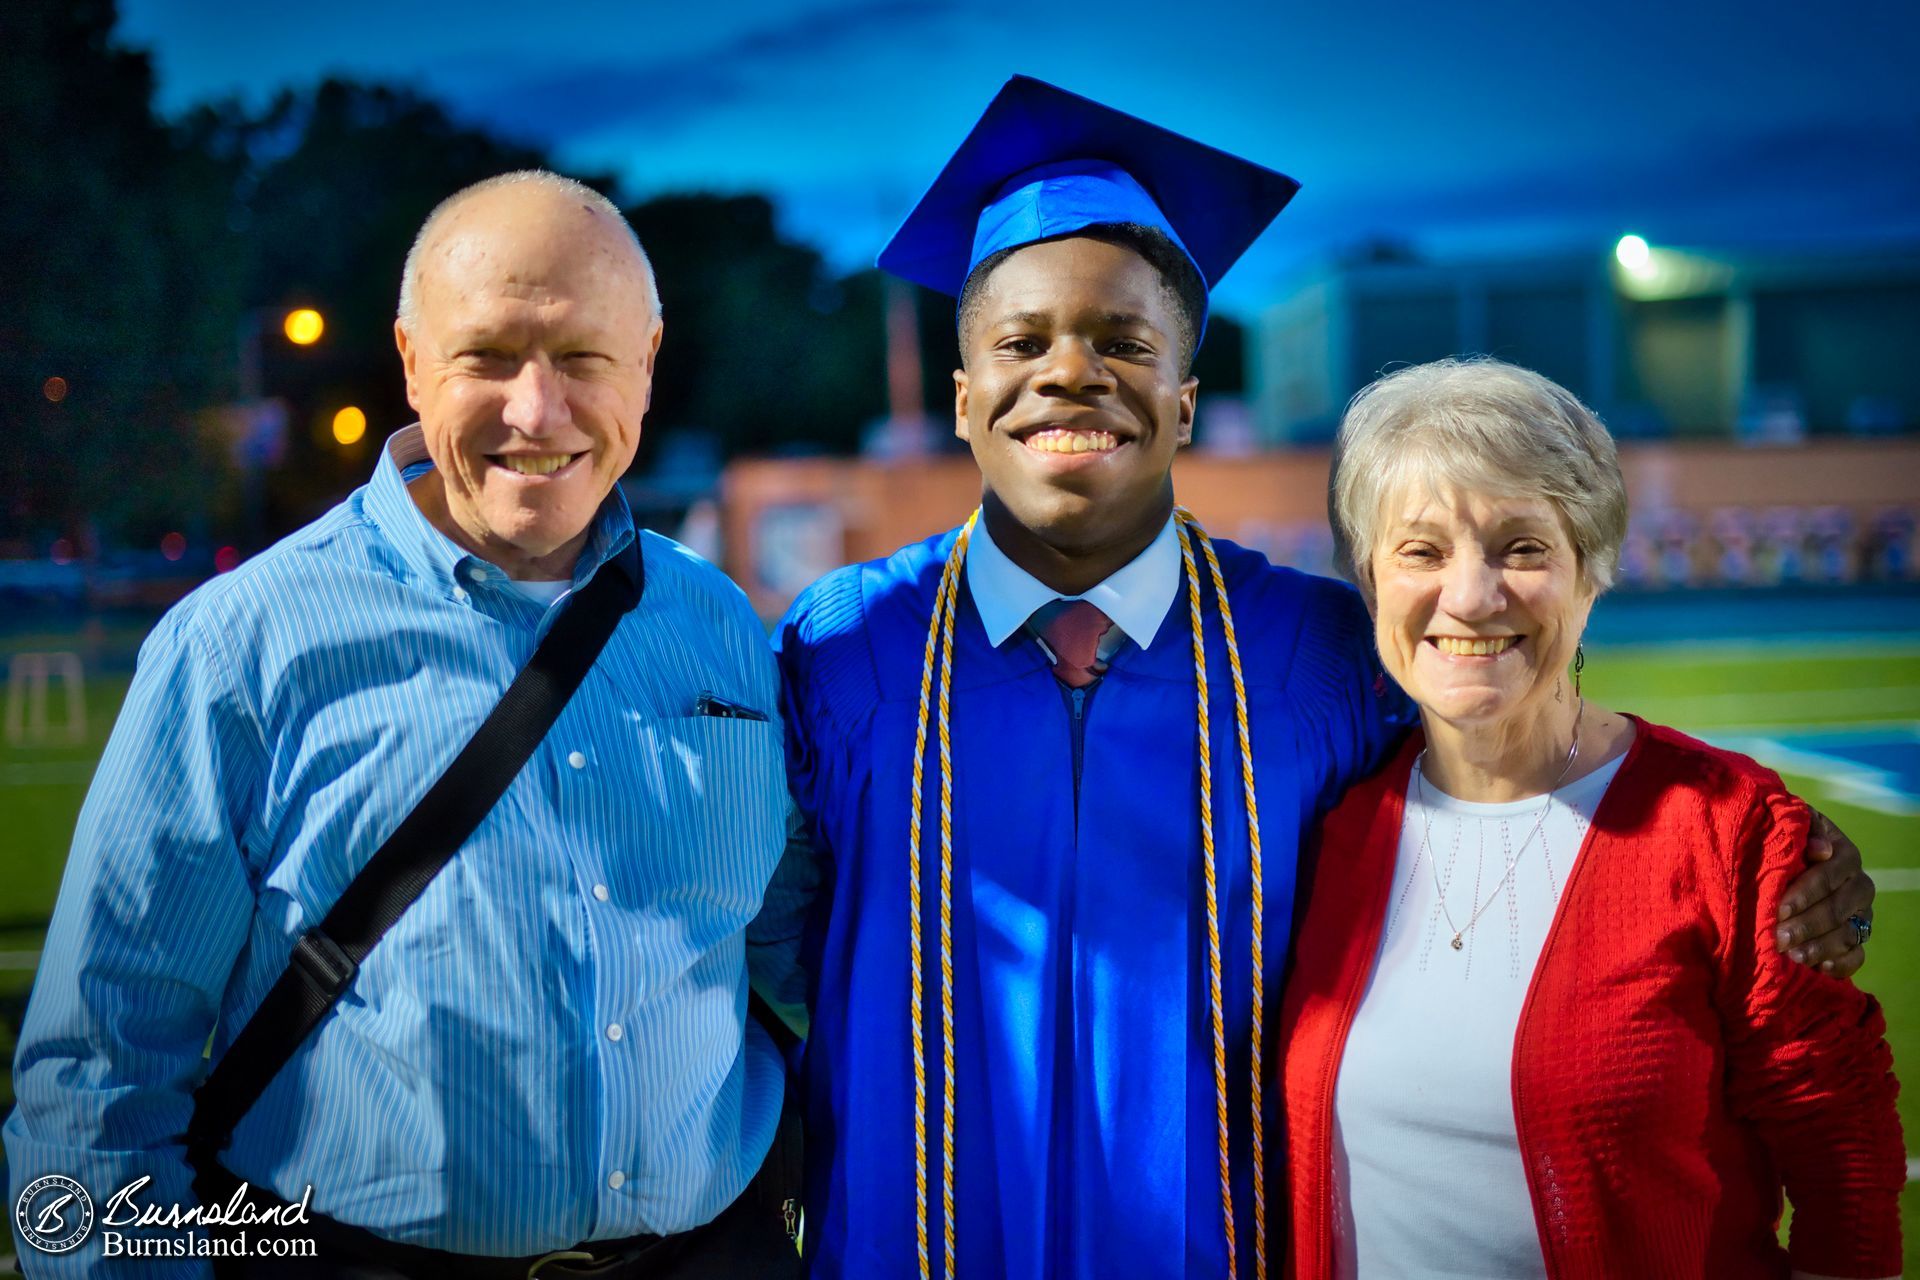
[(1086, 1131)]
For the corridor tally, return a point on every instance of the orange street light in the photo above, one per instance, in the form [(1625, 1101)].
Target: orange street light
[(304, 326), (349, 425)]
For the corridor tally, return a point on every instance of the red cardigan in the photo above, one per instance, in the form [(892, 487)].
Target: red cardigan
[(1671, 1071)]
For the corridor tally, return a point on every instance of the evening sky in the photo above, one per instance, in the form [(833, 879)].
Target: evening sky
[(1495, 127)]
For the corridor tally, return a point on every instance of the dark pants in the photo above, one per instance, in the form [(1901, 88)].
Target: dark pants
[(752, 1238)]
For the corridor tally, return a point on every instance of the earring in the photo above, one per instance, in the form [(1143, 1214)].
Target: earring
[(1579, 665)]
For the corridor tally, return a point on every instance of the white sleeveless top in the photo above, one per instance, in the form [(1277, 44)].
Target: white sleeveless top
[(1427, 1173)]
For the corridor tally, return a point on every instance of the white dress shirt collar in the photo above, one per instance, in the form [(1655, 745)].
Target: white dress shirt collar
[(1136, 596)]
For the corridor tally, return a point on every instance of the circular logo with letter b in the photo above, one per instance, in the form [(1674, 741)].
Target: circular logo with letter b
[(54, 1214)]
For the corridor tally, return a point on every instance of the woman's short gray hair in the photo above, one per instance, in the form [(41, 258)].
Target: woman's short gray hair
[(1480, 425)]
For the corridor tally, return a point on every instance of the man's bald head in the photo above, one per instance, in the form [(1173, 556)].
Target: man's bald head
[(522, 195), (528, 329)]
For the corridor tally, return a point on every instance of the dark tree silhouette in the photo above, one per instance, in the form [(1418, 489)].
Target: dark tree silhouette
[(763, 347), (119, 279)]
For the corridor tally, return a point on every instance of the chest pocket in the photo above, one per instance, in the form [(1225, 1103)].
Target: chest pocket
[(708, 798)]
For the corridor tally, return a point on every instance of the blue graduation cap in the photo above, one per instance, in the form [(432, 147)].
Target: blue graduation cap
[(1043, 162)]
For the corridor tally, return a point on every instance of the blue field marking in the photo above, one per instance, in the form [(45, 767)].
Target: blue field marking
[(1876, 766)]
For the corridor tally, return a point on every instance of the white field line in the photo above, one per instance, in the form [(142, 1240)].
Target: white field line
[(28, 961), (1896, 879), (1913, 1168), (1848, 780)]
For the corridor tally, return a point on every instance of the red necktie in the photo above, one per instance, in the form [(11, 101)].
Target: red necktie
[(1073, 633)]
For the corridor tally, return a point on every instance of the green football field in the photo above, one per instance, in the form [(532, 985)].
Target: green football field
[(1841, 722), (1840, 719)]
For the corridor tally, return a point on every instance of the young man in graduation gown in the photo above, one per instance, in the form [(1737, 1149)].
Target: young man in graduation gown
[(1058, 763)]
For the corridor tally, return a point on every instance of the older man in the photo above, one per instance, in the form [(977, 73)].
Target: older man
[(546, 1052)]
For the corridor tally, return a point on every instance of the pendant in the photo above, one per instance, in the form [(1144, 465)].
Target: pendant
[(1455, 944)]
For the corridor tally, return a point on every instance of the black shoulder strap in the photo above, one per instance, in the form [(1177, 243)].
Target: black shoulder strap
[(327, 956)]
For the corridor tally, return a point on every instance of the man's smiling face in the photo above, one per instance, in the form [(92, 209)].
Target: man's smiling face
[(530, 362), (1073, 397)]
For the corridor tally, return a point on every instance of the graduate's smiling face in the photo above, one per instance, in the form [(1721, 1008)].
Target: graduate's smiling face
[(1073, 396)]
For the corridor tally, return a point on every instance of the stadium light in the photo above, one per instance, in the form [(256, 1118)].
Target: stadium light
[(1650, 273), (349, 425), (304, 326), (1633, 253)]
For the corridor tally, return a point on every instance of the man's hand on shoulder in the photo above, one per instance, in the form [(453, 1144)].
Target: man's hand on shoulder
[(1815, 926)]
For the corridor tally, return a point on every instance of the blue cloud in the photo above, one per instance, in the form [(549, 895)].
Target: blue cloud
[(662, 93)]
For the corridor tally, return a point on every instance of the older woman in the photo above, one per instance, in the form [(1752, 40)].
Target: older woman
[(1537, 1025)]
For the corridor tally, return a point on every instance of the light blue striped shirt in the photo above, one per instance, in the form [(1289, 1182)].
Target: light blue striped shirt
[(549, 1046)]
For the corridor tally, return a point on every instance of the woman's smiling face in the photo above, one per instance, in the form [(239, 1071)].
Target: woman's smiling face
[(1479, 601)]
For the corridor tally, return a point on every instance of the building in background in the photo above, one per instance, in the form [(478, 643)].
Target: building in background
[(1663, 342)]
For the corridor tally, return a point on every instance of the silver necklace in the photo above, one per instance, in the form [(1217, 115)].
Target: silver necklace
[(1426, 833)]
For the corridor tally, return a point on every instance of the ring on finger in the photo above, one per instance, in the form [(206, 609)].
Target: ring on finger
[(1862, 929)]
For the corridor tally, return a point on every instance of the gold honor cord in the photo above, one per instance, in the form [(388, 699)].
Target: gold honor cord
[(942, 629), (940, 646), (1214, 1005), (1257, 887)]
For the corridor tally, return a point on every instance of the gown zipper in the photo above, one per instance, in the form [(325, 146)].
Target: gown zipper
[(1077, 700)]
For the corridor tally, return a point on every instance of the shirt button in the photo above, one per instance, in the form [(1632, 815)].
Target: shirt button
[(460, 594), (600, 892), (616, 1179), (614, 1032), (578, 759)]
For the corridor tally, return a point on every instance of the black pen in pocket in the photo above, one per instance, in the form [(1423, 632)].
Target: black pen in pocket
[(711, 704)]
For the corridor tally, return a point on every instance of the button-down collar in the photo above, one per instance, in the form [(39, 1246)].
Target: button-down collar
[(1136, 596)]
